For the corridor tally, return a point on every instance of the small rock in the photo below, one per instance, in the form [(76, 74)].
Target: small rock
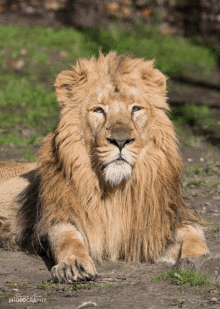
[(68, 295), (15, 290), (214, 299), (185, 264), (189, 160), (207, 204), (203, 210), (63, 54), (23, 52), (202, 159), (178, 276), (214, 292), (216, 197), (207, 264), (29, 10), (60, 288), (18, 65), (87, 304)]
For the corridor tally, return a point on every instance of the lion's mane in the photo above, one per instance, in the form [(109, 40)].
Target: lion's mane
[(139, 218)]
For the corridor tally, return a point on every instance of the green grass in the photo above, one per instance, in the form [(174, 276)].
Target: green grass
[(181, 277), (173, 54), (211, 169), (28, 155), (23, 286), (18, 140), (11, 285), (206, 178), (177, 302), (195, 116), (27, 95), (43, 285), (214, 231)]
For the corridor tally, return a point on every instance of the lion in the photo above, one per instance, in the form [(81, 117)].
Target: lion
[(108, 179), (9, 169)]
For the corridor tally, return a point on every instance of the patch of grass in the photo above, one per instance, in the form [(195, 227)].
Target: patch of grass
[(177, 302), (11, 285), (207, 178), (174, 55), (199, 182), (194, 170), (214, 229), (203, 291), (195, 116), (14, 139), (43, 286), (181, 277), (147, 41), (23, 286), (211, 169), (27, 95), (21, 91), (28, 155), (160, 276), (11, 293), (28, 105)]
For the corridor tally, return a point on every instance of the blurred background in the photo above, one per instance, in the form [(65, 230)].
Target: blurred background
[(40, 38)]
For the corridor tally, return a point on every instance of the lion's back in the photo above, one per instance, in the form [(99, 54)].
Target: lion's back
[(9, 170)]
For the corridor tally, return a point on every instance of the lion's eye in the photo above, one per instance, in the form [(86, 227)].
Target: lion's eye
[(136, 109), (98, 110)]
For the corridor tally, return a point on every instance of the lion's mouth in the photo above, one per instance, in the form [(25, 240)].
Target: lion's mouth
[(116, 171), (118, 161)]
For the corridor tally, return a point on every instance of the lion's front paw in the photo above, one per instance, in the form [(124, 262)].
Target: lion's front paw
[(74, 269)]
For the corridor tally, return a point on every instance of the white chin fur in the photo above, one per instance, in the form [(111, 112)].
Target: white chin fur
[(116, 172)]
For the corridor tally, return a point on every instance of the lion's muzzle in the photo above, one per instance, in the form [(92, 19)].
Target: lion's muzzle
[(120, 141)]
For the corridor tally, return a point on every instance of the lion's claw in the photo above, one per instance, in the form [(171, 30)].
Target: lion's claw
[(65, 272)]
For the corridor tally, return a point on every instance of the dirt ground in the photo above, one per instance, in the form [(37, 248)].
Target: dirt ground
[(27, 278)]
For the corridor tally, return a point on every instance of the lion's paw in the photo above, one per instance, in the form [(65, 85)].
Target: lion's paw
[(74, 269)]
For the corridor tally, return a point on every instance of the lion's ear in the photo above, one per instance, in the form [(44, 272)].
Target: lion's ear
[(151, 74), (65, 83)]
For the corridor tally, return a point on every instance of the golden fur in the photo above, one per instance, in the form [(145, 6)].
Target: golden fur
[(108, 182), (9, 169)]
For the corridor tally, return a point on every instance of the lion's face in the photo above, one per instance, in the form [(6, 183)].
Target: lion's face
[(114, 101), (116, 130)]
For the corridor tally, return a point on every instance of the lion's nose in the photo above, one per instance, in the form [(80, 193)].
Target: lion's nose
[(120, 141)]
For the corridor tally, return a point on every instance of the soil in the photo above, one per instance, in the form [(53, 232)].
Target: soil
[(119, 285)]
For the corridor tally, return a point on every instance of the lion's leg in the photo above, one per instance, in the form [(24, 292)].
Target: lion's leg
[(194, 243), (70, 254), (190, 242)]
